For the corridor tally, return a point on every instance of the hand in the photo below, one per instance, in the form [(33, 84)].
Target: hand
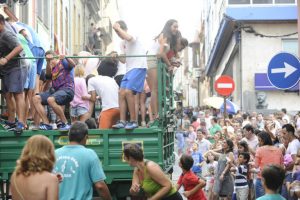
[(3, 61), (116, 26), (61, 57), (221, 177), (186, 193), (49, 57), (135, 188)]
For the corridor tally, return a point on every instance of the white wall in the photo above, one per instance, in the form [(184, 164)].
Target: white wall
[(256, 54)]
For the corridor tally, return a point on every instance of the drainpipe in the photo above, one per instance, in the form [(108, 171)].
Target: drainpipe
[(240, 62), (84, 31)]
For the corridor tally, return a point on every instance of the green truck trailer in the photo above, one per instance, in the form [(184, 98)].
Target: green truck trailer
[(156, 141)]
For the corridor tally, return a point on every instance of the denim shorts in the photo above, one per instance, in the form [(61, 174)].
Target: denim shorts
[(134, 80), (78, 111), (62, 96), (31, 76), (14, 80)]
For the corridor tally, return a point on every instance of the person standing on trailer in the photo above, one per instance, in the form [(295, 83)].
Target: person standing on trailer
[(133, 81), (13, 75)]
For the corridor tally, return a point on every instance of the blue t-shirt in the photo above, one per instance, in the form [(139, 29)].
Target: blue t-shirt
[(197, 157), (271, 197), (80, 168)]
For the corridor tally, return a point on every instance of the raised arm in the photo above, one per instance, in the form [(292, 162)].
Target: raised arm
[(123, 34)]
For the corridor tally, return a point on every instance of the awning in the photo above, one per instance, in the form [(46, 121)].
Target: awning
[(262, 83)]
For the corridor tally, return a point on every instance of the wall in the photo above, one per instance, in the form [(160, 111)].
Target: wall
[(256, 54)]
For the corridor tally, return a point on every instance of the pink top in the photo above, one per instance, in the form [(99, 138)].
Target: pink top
[(266, 155), (80, 90)]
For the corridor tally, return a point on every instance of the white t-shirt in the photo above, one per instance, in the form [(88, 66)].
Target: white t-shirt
[(134, 47), (293, 147), (107, 89), (121, 69), (203, 145), (253, 144)]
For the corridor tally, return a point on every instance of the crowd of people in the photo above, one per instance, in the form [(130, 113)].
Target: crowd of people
[(243, 156), (120, 83)]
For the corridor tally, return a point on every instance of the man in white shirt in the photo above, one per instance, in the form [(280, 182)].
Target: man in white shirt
[(203, 144), (250, 138), (133, 81), (288, 132), (107, 89)]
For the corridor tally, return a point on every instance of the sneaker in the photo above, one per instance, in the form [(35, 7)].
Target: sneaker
[(34, 127), (131, 125), (19, 128), (54, 126), (143, 124), (64, 127), (59, 124), (45, 126), (10, 126), (119, 124)]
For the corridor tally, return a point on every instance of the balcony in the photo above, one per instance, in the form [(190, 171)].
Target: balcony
[(94, 6)]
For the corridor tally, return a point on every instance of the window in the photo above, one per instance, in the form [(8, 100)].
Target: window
[(55, 17), (43, 11), (24, 13), (285, 1), (61, 21), (238, 1), (262, 1), (67, 29), (290, 46)]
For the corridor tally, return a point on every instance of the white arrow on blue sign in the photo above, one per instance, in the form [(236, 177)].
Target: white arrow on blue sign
[(284, 70)]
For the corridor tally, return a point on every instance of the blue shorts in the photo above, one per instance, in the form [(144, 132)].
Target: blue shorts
[(14, 80), (134, 80), (31, 76), (78, 111), (38, 52), (62, 96)]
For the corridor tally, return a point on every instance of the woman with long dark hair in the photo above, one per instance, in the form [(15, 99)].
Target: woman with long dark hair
[(223, 185), (163, 42)]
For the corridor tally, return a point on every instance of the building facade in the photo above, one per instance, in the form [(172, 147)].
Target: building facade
[(241, 37), (64, 25)]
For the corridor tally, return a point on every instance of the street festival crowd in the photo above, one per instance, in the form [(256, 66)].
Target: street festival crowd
[(244, 156)]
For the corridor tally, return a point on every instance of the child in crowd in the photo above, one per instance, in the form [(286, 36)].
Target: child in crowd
[(197, 157), (191, 138), (191, 183), (211, 166), (272, 179), (241, 180), (80, 104)]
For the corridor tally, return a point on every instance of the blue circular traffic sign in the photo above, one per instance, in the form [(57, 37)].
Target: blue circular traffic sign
[(284, 70)]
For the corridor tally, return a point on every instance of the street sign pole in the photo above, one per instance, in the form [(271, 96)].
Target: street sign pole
[(224, 86), (225, 108)]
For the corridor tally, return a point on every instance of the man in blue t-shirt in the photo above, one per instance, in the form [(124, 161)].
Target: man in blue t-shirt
[(79, 168)]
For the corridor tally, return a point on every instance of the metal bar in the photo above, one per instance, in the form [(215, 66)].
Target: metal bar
[(123, 56)]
